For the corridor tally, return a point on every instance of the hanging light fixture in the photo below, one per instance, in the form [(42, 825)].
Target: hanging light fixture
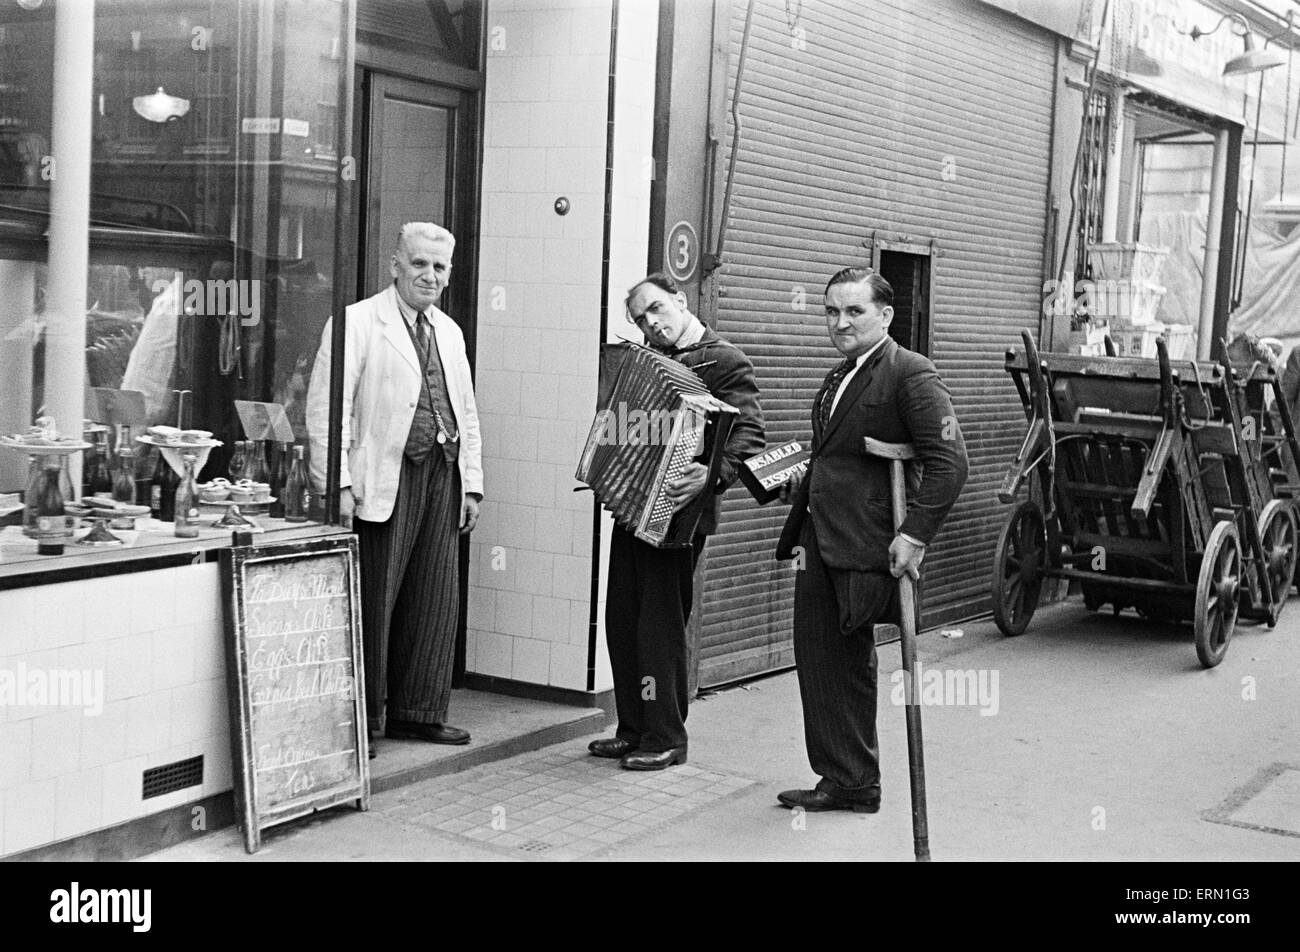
[(1252, 60), (160, 107)]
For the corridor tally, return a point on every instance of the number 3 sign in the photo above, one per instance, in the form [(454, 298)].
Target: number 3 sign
[(682, 251)]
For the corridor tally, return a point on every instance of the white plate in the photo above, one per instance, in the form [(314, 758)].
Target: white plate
[(204, 445), (43, 449)]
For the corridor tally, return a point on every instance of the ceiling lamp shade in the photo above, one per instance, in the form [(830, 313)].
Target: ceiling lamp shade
[(160, 107), (1253, 60)]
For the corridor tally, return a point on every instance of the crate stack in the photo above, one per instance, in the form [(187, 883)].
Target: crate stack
[(1128, 292)]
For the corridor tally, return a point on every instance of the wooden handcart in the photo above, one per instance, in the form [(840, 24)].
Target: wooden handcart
[(1165, 489)]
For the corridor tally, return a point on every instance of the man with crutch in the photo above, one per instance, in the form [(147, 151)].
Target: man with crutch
[(842, 534)]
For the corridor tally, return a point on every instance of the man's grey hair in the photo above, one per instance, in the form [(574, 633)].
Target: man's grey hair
[(423, 229)]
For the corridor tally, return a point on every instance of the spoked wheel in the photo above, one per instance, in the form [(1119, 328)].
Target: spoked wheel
[(1216, 594), (1278, 530), (1018, 569)]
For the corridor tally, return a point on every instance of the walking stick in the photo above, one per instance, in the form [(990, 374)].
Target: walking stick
[(896, 453)]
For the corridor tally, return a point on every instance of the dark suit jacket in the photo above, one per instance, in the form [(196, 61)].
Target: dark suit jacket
[(729, 375), (896, 396)]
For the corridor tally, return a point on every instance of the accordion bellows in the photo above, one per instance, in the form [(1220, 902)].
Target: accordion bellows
[(652, 420)]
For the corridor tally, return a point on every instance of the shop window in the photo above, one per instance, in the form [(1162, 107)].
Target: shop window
[(214, 170)]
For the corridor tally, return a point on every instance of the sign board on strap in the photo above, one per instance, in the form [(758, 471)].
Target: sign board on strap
[(296, 685)]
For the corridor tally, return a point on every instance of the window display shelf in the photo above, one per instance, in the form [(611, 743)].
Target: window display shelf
[(152, 546)]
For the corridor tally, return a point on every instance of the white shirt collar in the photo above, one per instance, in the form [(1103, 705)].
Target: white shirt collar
[(409, 314), (875, 347), (692, 335)]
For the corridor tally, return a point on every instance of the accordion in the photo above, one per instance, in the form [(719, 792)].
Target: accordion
[(653, 418)]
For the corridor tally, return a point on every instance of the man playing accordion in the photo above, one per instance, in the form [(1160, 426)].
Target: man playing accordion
[(648, 598)]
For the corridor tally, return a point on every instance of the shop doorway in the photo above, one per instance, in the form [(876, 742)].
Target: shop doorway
[(415, 137), (417, 140)]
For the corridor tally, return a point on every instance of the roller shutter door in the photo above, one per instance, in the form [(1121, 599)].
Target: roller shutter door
[(931, 120)]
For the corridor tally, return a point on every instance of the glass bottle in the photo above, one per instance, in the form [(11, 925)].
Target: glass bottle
[(124, 480), (297, 489), (254, 461), (144, 464), (278, 476), (32, 495), (100, 482), (186, 503), (236, 469), (162, 490), (51, 518)]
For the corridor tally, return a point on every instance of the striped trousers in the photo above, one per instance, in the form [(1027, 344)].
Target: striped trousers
[(835, 612), (410, 596)]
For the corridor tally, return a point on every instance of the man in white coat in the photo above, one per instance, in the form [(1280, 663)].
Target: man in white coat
[(411, 479)]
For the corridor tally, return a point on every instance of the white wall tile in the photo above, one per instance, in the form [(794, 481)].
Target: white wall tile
[(217, 765), (172, 653), (15, 753), (29, 815), (128, 668), (103, 737), (555, 530), (209, 656), (535, 571), (519, 439), (539, 394), (568, 666), (572, 577), (523, 347), (60, 618), (480, 610), (56, 743), (514, 615), (579, 622), (524, 261), (148, 723), (494, 654), (197, 711), (106, 614), (551, 618), (527, 173), (532, 661), (18, 609), (79, 806)]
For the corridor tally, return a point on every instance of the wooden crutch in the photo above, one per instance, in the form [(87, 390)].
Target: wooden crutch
[(896, 453)]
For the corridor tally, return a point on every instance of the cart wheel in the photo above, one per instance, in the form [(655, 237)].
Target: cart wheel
[(1216, 594), (1018, 569), (1279, 532)]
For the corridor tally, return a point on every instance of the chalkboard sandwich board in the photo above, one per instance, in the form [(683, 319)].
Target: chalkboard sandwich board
[(765, 474), (296, 685)]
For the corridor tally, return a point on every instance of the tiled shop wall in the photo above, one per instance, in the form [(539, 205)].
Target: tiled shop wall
[(539, 310), (157, 639)]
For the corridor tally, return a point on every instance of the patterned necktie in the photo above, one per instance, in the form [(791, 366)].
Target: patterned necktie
[(830, 388), (422, 335)]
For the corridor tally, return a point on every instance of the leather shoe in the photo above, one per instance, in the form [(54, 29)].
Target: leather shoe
[(611, 747), (815, 801), (433, 733), (653, 759)]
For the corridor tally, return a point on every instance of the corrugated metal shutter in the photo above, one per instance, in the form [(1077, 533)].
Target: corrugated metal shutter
[(842, 139)]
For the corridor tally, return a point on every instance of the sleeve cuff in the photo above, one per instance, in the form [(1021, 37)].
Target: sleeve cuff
[(912, 539)]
